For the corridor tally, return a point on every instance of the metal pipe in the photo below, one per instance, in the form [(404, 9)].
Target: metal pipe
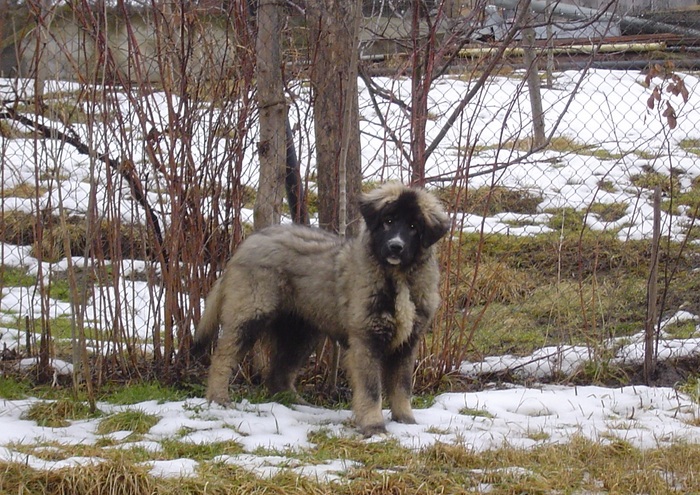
[(572, 49)]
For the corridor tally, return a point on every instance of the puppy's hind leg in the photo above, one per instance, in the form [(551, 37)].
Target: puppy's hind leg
[(234, 343), (246, 310), (291, 343)]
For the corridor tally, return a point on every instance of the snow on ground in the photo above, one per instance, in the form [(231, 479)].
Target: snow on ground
[(607, 110), (565, 360), (519, 417)]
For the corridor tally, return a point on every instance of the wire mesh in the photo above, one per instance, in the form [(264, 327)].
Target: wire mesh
[(130, 145)]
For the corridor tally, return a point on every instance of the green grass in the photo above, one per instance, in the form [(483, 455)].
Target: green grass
[(423, 401), (563, 144), (681, 330), (523, 297), (567, 219), (16, 277), (648, 154), (691, 387), (59, 413), (558, 314), (651, 179), (690, 145), (12, 389), (607, 185), (601, 154), (136, 421), (579, 466), (61, 328), (690, 199), (136, 392), (609, 212), (176, 449), (60, 289), (475, 413)]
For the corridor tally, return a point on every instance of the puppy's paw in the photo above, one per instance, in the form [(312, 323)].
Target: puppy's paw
[(372, 430), (221, 399), (405, 418)]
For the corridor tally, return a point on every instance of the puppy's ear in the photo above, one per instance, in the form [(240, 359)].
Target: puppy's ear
[(437, 224), (369, 212)]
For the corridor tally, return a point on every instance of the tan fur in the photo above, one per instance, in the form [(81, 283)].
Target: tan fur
[(331, 286)]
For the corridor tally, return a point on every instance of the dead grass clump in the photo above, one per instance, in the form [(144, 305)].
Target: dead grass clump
[(609, 212), (52, 246), (650, 179), (136, 421), (452, 455), (57, 414), (23, 190), (56, 451), (113, 478), (113, 240), (488, 201), (17, 228), (21, 229)]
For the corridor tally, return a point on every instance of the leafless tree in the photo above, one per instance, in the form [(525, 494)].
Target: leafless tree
[(334, 30), (272, 147)]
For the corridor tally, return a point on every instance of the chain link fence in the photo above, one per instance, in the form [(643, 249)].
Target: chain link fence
[(130, 144)]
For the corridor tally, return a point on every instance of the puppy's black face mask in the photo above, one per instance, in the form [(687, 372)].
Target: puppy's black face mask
[(396, 230)]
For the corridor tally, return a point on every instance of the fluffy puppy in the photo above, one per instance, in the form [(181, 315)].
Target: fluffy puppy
[(376, 294)]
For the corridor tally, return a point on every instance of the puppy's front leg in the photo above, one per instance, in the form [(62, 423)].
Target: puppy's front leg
[(398, 381), (364, 367)]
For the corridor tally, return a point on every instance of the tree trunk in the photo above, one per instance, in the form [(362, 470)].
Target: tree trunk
[(294, 185), (333, 26), (533, 82), (272, 147), (421, 78)]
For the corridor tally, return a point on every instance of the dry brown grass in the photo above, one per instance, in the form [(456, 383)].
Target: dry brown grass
[(114, 238), (489, 200), (112, 478), (581, 466)]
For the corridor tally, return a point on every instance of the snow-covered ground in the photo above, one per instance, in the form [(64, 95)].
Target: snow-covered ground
[(606, 110), (270, 433)]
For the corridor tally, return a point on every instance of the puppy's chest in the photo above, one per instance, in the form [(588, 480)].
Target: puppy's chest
[(395, 306)]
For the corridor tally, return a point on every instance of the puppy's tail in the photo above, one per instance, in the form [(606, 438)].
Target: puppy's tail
[(208, 327)]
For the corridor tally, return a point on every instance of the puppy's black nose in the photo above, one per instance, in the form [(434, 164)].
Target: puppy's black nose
[(395, 246)]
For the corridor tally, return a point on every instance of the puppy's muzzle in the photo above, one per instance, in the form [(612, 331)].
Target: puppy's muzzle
[(395, 247)]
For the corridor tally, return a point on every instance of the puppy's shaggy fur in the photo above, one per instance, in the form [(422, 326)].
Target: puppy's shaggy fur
[(375, 294)]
